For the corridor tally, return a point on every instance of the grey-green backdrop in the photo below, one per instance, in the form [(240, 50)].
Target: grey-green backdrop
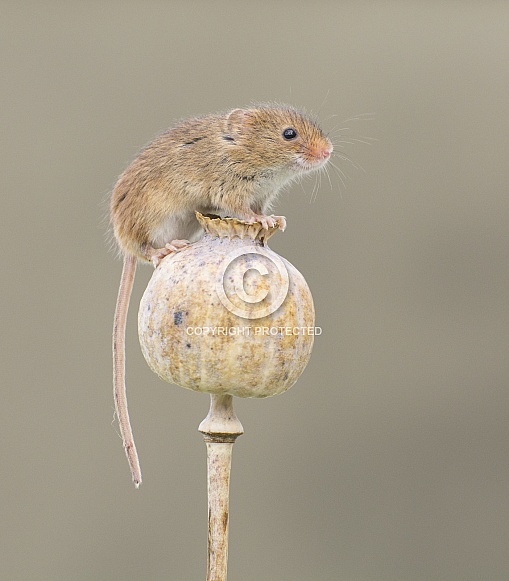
[(388, 461)]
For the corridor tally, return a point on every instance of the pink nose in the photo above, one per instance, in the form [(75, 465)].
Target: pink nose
[(324, 154)]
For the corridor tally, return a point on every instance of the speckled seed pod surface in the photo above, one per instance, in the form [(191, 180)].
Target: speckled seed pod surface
[(227, 315)]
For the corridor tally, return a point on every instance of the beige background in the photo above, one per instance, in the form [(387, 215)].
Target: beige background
[(388, 461)]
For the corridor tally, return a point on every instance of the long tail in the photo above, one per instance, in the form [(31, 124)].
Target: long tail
[(119, 391)]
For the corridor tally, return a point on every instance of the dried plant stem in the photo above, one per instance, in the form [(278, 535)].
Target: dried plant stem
[(220, 429)]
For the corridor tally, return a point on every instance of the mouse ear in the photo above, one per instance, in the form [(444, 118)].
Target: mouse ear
[(236, 121)]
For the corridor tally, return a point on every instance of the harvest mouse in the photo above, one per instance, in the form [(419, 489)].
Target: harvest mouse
[(232, 163)]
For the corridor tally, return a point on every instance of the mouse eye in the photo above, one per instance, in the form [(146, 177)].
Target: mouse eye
[(290, 133)]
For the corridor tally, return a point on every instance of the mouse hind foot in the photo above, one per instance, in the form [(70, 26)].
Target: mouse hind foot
[(155, 255)]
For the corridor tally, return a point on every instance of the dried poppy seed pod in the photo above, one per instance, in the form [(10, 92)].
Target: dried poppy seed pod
[(227, 315)]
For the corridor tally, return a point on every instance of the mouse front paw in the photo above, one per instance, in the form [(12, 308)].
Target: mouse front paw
[(280, 221), (268, 221)]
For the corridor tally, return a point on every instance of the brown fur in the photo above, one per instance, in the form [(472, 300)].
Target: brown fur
[(232, 164)]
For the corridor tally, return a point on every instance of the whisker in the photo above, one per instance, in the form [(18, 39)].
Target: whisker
[(334, 129), (361, 117), (312, 198), (343, 136), (343, 141), (320, 177), (313, 191), (323, 102), (318, 185), (340, 190), (328, 177), (345, 157), (364, 140), (341, 175)]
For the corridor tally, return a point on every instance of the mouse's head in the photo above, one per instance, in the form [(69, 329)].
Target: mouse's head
[(276, 139)]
